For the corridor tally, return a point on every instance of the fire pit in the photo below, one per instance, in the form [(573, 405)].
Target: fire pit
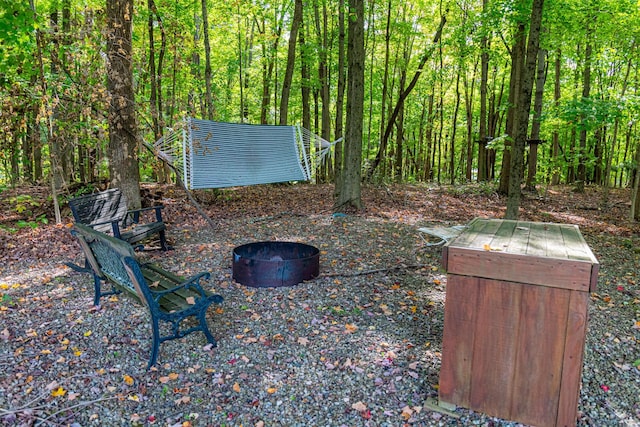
[(274, 264)]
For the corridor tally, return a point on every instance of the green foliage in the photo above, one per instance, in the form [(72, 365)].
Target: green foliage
[(42, 219), (66, 100), (485, 189), (23, 204)]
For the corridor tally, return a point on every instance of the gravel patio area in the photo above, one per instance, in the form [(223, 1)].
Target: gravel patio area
[(358, 346)]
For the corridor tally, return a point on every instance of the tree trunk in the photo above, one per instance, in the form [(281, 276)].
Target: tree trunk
[(123, 147), (524, 107), (208, 98), (349, 194), (483, 160), (614, 138), (403, 95), (291, 58), (305, 75), (323, 68), (337, 164), (586, 93), (555, 147), (452, 148), (517, 64), (428, 137), (269, 54), (541, 76), (468, 105)]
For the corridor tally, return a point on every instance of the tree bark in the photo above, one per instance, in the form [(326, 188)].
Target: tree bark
[(483, 164), (524, 107), (541, 76), (586, 93), (555, 137), (614, 138), (123, 147), (338, 133), (207, 67), (291, 57), (323, 69), (349, 194), (517, 63)]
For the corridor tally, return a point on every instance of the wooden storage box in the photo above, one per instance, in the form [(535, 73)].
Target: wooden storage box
[(515, 320)]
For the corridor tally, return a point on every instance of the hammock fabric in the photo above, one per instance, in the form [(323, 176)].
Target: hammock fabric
[(216, 155)]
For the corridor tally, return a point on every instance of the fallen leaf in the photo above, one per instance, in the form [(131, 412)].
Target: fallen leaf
[(127, 379), (350, 328), (407, 412), (236, 388), (58, 392), (303, 341), (359, 406), (190, 300), (183, 399)]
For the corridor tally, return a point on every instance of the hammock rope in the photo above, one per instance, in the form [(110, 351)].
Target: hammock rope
[(216, 155)]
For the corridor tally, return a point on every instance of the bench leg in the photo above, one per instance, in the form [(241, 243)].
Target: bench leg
[(163, 241), (155, 345), (97, 287), (76, 267), (205, 328)]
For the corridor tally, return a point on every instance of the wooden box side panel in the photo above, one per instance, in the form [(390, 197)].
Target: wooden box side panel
[(540, 351), (495, 347), (560, 273), (458, 339), (573, 356), (512, 350)]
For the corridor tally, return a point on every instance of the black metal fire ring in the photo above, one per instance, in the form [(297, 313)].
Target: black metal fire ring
[(274, 263)]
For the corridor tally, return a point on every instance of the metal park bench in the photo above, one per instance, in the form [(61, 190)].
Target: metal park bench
[(107, 212), (169, 298)]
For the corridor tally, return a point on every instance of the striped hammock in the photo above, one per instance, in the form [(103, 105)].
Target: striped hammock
[(216, 155)]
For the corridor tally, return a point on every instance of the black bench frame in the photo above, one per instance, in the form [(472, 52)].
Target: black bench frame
[(107, 212), (172, 299)]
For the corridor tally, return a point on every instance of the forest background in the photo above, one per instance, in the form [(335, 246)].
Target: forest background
[(441, 108)]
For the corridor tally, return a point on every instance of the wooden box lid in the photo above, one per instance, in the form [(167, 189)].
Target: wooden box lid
[(536, 253)]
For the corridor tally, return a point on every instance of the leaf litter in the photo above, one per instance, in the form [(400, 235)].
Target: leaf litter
[(360, 345)]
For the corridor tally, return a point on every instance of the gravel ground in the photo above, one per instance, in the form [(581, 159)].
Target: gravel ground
[(360, 345)]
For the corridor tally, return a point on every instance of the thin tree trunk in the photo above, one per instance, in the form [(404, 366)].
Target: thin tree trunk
[(468, 104), (428, 164), (483, 164), (517, 63), (340, 95), (402, 97), (614, 138), (349, 194), (586, 93), (541, 77), (452, 149), (269, 53), (207, 67), (291, 57), (323, 68), (524, 107), (555, 147)]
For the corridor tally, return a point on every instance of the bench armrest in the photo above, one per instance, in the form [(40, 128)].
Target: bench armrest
[(191, 283), (115, 227), (135, 213)]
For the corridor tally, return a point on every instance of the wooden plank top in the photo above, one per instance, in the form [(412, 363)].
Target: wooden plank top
[(523, 251)]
